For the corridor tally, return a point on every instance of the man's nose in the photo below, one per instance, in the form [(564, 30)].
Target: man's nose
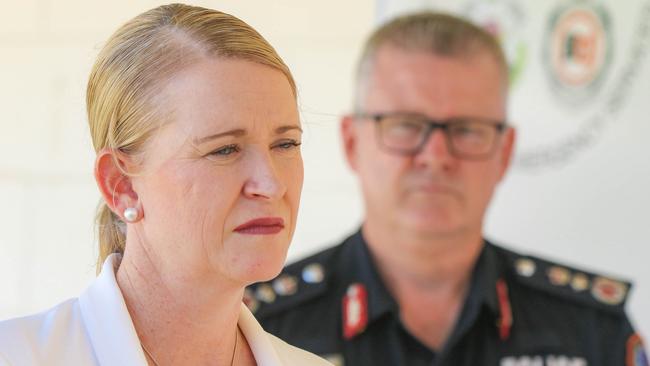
[(436, 145)]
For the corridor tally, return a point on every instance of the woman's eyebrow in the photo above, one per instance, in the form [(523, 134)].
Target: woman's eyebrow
[(283, 129), (241, 132), (236, 133)]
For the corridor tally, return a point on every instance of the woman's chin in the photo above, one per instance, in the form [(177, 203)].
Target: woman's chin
[(265, 268)]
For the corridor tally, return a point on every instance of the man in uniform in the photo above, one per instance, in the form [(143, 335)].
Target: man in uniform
[(418, 284)]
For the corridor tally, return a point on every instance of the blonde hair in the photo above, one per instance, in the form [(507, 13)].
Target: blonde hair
[(436, 33), (136, 61)]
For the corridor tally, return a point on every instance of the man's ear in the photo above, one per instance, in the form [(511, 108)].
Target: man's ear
[(350, 138), (507, 150), (114, 185)]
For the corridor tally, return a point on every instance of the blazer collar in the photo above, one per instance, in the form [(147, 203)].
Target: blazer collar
[(113, 336), (107, 320)]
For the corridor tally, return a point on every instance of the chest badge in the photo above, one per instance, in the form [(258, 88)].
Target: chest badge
[(548, 360), (355, 310)]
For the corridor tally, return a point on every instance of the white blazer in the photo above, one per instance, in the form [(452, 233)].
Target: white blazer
[(96, 329)]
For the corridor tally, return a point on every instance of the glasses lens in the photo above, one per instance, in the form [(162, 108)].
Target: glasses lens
[(472, 138), (402, 133)]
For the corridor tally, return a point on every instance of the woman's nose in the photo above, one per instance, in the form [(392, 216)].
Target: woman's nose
[(264, 181)]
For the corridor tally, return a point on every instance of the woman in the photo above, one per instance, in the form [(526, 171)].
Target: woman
[(194, 120)]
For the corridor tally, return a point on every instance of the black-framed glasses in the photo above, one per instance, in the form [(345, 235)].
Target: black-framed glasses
[(471, 138)]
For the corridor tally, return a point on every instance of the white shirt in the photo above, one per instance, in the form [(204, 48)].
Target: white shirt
[(96, 329)]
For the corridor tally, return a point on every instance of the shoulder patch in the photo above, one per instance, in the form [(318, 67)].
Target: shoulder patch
[(571, 283), (296, 284), (635, 353)]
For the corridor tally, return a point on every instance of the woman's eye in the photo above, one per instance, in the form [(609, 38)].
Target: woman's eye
[(288, 145), (225, 151)]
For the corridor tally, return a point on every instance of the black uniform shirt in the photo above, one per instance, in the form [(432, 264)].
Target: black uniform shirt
[(519, 311)]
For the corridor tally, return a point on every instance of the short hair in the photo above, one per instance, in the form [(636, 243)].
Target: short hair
[(138, 59), (433, 32)]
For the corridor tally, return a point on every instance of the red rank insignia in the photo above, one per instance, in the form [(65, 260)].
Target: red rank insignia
[(355, 310), (505, 319)]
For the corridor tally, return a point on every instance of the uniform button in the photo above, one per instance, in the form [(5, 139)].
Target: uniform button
[(559, 276), (580, 282), (525, 267), (264, 292), (285, 285), (250, 301), (313, 273)]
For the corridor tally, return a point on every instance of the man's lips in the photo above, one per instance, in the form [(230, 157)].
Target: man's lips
[(261, 226), (436, 189)]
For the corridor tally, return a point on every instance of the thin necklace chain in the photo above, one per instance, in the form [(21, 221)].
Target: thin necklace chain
[(150, 355), (232, 359)]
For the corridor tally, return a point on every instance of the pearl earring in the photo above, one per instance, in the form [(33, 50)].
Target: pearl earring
[(131, 214)]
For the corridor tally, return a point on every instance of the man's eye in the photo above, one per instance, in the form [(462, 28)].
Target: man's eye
[(468, 130), (409, 125), (225, 151)]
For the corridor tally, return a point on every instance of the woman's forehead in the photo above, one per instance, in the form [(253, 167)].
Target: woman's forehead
[(226, 94)]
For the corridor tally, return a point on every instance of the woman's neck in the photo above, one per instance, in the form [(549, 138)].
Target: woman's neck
[(179, 320)]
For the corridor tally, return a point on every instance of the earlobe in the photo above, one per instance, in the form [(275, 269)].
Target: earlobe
[(114, 184), (349, 138)]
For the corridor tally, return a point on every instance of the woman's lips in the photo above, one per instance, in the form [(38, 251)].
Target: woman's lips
[(261, 226)]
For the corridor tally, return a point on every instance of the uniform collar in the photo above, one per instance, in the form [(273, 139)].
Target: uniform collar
[(487, 271), (482, 294), (358, 266)]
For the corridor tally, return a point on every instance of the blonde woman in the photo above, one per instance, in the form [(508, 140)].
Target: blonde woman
[(194, 120)]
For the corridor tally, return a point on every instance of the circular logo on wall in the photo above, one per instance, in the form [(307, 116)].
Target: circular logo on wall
[(505, 20), (577, 53), (578, 50)]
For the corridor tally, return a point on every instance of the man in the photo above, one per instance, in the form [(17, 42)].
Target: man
[(418, 284)]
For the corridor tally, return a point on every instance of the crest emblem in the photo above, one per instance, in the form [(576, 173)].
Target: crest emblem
[(578, 50)]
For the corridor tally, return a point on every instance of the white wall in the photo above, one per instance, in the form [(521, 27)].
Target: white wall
[(590, 211)]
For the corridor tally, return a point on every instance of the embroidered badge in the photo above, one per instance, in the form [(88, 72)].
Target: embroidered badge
[(548, 360), (635, 354), (608, 291), (355, 310)]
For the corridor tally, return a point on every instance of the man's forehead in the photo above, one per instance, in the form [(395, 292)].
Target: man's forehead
[(393, 57), (442, 86)]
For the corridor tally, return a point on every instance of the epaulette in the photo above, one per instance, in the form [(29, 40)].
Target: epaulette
[(298, 283), (572, 284)]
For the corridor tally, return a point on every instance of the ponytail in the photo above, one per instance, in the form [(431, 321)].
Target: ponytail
[(110, 232)]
